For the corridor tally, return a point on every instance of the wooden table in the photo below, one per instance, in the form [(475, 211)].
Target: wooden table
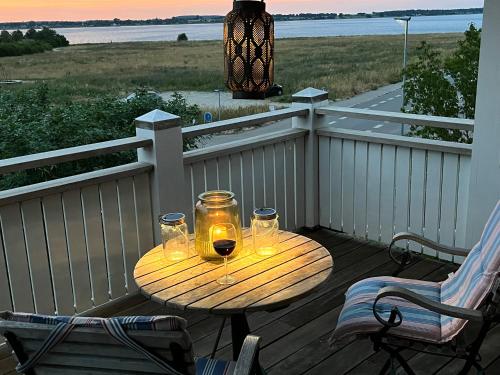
[(300, 266)]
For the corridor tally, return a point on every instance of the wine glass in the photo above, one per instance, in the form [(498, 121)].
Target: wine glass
[(224, 241)]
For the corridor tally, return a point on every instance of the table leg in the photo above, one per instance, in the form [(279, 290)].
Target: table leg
[(239, 330), (219, 334)]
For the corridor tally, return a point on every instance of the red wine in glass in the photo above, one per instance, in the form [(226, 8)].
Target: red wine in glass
[(224, 247), (223, 237)]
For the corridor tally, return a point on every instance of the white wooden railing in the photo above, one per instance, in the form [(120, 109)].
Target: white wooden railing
[(262, 171), (265, 170), (374, 185), (70, 245)]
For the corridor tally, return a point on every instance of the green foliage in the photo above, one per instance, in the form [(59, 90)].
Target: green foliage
[(17, 36), (182, 37), (5, 37), (463, 68), (31, 123), (23, 47), (17, 44), (49, 36), (444, 86)]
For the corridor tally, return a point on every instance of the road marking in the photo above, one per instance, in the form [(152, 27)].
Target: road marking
[(374, 105), (378, 126), (382, 102), (398, 96), (332, 122), (390, 99), (342, 118)]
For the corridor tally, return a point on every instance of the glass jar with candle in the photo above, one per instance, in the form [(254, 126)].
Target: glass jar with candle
[(175, 239), (265, 231), (215, 207)]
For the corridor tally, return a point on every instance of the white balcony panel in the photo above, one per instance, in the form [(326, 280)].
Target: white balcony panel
[(38, 262), (71, 244), (16, 258), (375, 189), (261, 171)]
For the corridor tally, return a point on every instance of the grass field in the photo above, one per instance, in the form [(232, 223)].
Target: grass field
[(345, 66)]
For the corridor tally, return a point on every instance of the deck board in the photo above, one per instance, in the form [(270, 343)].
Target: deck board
[(294, 339)]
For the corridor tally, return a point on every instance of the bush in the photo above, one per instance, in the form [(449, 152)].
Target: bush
[(48, 36), (444, 86), (33, 41), (23, 47), (17, 36), (182, 37), (31, 123), (5, 37)]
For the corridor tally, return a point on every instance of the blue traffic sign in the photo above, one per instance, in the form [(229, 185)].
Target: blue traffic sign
[(208, 117)]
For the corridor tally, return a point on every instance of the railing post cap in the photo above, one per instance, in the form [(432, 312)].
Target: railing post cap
[(310, 95), (157, 120)]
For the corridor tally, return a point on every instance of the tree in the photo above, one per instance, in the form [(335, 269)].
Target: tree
[(30, 34), (5, 37), (182, 37), (51, 37), (463, 68), (444, 86), (30, 122), (17, 36)]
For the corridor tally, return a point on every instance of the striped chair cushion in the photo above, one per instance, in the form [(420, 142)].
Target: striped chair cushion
[(467, 288), (474, 279), (115, 327), (206, 366), (150, 323), (357, 319)]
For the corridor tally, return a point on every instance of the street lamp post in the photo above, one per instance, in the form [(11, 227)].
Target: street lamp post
[(404, 21), (218, 91)]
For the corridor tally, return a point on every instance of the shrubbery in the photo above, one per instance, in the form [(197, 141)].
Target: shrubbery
[(444, 86), (182, 37), (31, 123), (23, 47), (17, 44)]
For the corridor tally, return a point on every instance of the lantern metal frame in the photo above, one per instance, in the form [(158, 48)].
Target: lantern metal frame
[(249, 49)]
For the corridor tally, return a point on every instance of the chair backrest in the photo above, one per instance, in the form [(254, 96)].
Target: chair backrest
[(89, 349), (472, 282)]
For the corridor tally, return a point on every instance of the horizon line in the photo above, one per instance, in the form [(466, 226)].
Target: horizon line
[(218, 15)]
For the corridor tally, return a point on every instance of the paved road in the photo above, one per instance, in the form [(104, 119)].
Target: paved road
[(387, 98), (391, 101)]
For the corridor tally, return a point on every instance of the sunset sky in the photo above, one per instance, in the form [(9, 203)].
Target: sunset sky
[(25, 10)]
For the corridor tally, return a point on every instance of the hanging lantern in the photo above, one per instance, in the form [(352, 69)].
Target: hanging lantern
[(249, 49)]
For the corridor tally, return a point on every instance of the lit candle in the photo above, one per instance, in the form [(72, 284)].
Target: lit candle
[(218, 231)]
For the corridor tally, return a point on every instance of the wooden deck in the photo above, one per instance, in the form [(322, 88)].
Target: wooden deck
[(294, 339)]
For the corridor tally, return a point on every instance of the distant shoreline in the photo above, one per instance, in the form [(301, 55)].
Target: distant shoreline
[(217, 19)]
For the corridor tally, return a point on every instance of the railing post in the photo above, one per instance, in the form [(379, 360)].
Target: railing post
[(310, 98), (167, 178)]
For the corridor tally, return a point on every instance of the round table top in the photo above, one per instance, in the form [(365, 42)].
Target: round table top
[(298, 268)]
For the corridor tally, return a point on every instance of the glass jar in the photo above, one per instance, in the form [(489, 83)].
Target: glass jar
[(265, 231), (175, 239), (215, 207)]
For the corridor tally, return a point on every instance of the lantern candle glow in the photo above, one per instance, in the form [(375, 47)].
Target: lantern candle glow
[(265, 231), (215, 207)]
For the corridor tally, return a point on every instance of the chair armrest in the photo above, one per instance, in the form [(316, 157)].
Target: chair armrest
[(426, 242), (440, 308), (248, 358)]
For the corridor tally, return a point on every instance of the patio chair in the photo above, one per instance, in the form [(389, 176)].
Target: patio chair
[(122, 345), (449, 318)]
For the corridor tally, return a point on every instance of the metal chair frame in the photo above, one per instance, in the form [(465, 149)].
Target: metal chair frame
[(485, 316)]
